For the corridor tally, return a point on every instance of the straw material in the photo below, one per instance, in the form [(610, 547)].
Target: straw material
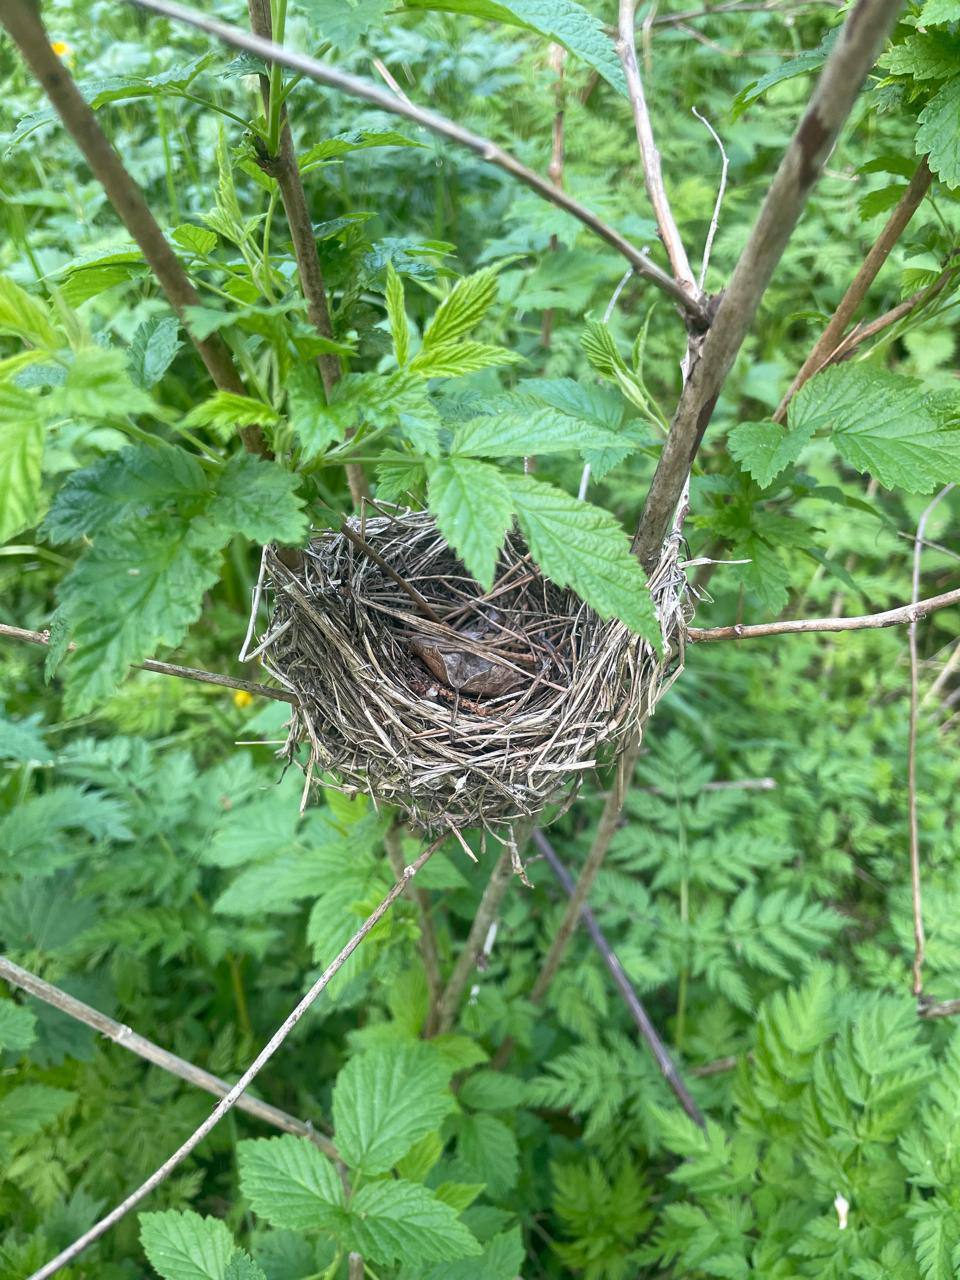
[(480, 718)]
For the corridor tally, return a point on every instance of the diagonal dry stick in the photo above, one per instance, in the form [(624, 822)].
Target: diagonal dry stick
[(325, 74), (231, 1099), (854, 53), (155, 1054), (901, 616), (22, 20)]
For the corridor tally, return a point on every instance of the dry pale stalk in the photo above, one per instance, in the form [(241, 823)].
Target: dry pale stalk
[(904, 614)]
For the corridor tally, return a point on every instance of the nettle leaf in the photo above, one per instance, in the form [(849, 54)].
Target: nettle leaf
[(515, 435), (25, 316), (226, 411), (502, 1259), (452, 359), (385, 1100), (98, 385), (242, 1267), (21, 458), (316, 427), (882, 423), (578, 545), (474, 508), (463, 308), (290, 1183), (195, 239), (764, 449), (564, 21), (397, 315), (184, 1246), (403, 1221), (344, 22), (153, 349), (259, 500), (938, 136), (17, 1027)]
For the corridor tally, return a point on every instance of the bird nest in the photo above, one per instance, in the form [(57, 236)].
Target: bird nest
[(462, 707)]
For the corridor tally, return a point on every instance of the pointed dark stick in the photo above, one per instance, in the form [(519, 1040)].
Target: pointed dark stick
[(323, 73), (861, 38), (225, 1104), (153, 1053), (22, 20)]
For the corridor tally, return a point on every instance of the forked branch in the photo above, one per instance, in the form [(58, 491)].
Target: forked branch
[(325, 74), (854, 53), (263, 1057)]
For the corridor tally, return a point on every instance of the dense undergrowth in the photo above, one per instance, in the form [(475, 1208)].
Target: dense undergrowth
[(152, 861)]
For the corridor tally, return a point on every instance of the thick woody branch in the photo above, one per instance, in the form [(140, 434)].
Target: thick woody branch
[(324, 74), (231, 1099), (650, 156), (852, 57), (905, 614), (153, 1053), (832, 335), (167, 668), (22, 20)]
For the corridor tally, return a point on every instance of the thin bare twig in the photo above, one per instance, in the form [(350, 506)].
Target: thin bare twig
[(718, 204), (362, 545), (22, 20), (941, 1009), (334, 78), (166, 668), (880, 250), (650, 156), (128, 1039), (916, 891), (641, 1018), (906, 613), (861, 37), (225, 1104)]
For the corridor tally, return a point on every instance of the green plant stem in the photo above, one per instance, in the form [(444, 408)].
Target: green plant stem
[(278, 20), (240, 996)]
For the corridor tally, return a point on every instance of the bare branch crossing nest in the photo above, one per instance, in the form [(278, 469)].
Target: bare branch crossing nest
[(479, 718)]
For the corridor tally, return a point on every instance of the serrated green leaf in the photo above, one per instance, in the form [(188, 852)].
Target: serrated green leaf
[(803, 64), (492, 1091), (473, 506), (391, 1221), (316, 426), (385, 1100), (21, 458), (397, 315), (242, 1267), (938, 137), (601, 350), (25, 316), (882, 423), (28, 1108), (463, 308), (487, 1150), (764, 449), (290, 1183), (196, 239), (542, 431), (153, 349), (184, 1246), (452, 359), (502, 1259), (356, 140), (343, 22), (580, 546), (564, 21), (91, 279), (936, 13), (225, 412), (98, 385), (397, 478), (259, 499), (17, 1026)]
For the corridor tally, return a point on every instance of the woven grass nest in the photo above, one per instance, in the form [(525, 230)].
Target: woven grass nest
[(479, 719)]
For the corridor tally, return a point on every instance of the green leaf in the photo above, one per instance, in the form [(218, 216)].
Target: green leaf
[(397, 315), (580, 546), (938, 136), (310, 417), (385, 1100), (802, 65), (354, 140), (474, 508), (17, 1026), (21, 456), (451, 359), (98, 385), (882, 423), (195, 239), (564, 21), (25, 316), (463, 308), (153, 349), (343, 22), (936, 13), (487, 1150), (290, 1183), (28, 1108), (543, 431), (764, 449), (492, 1091), (225, 412), (242, 1267), (402, 1221), (502, 1259), (259, 499), (184, 1246)]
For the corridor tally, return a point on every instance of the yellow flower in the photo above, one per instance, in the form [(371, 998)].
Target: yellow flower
[(62, 49), (242, 699)]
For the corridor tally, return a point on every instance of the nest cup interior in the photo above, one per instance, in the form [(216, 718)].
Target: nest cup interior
[(461, 707)]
